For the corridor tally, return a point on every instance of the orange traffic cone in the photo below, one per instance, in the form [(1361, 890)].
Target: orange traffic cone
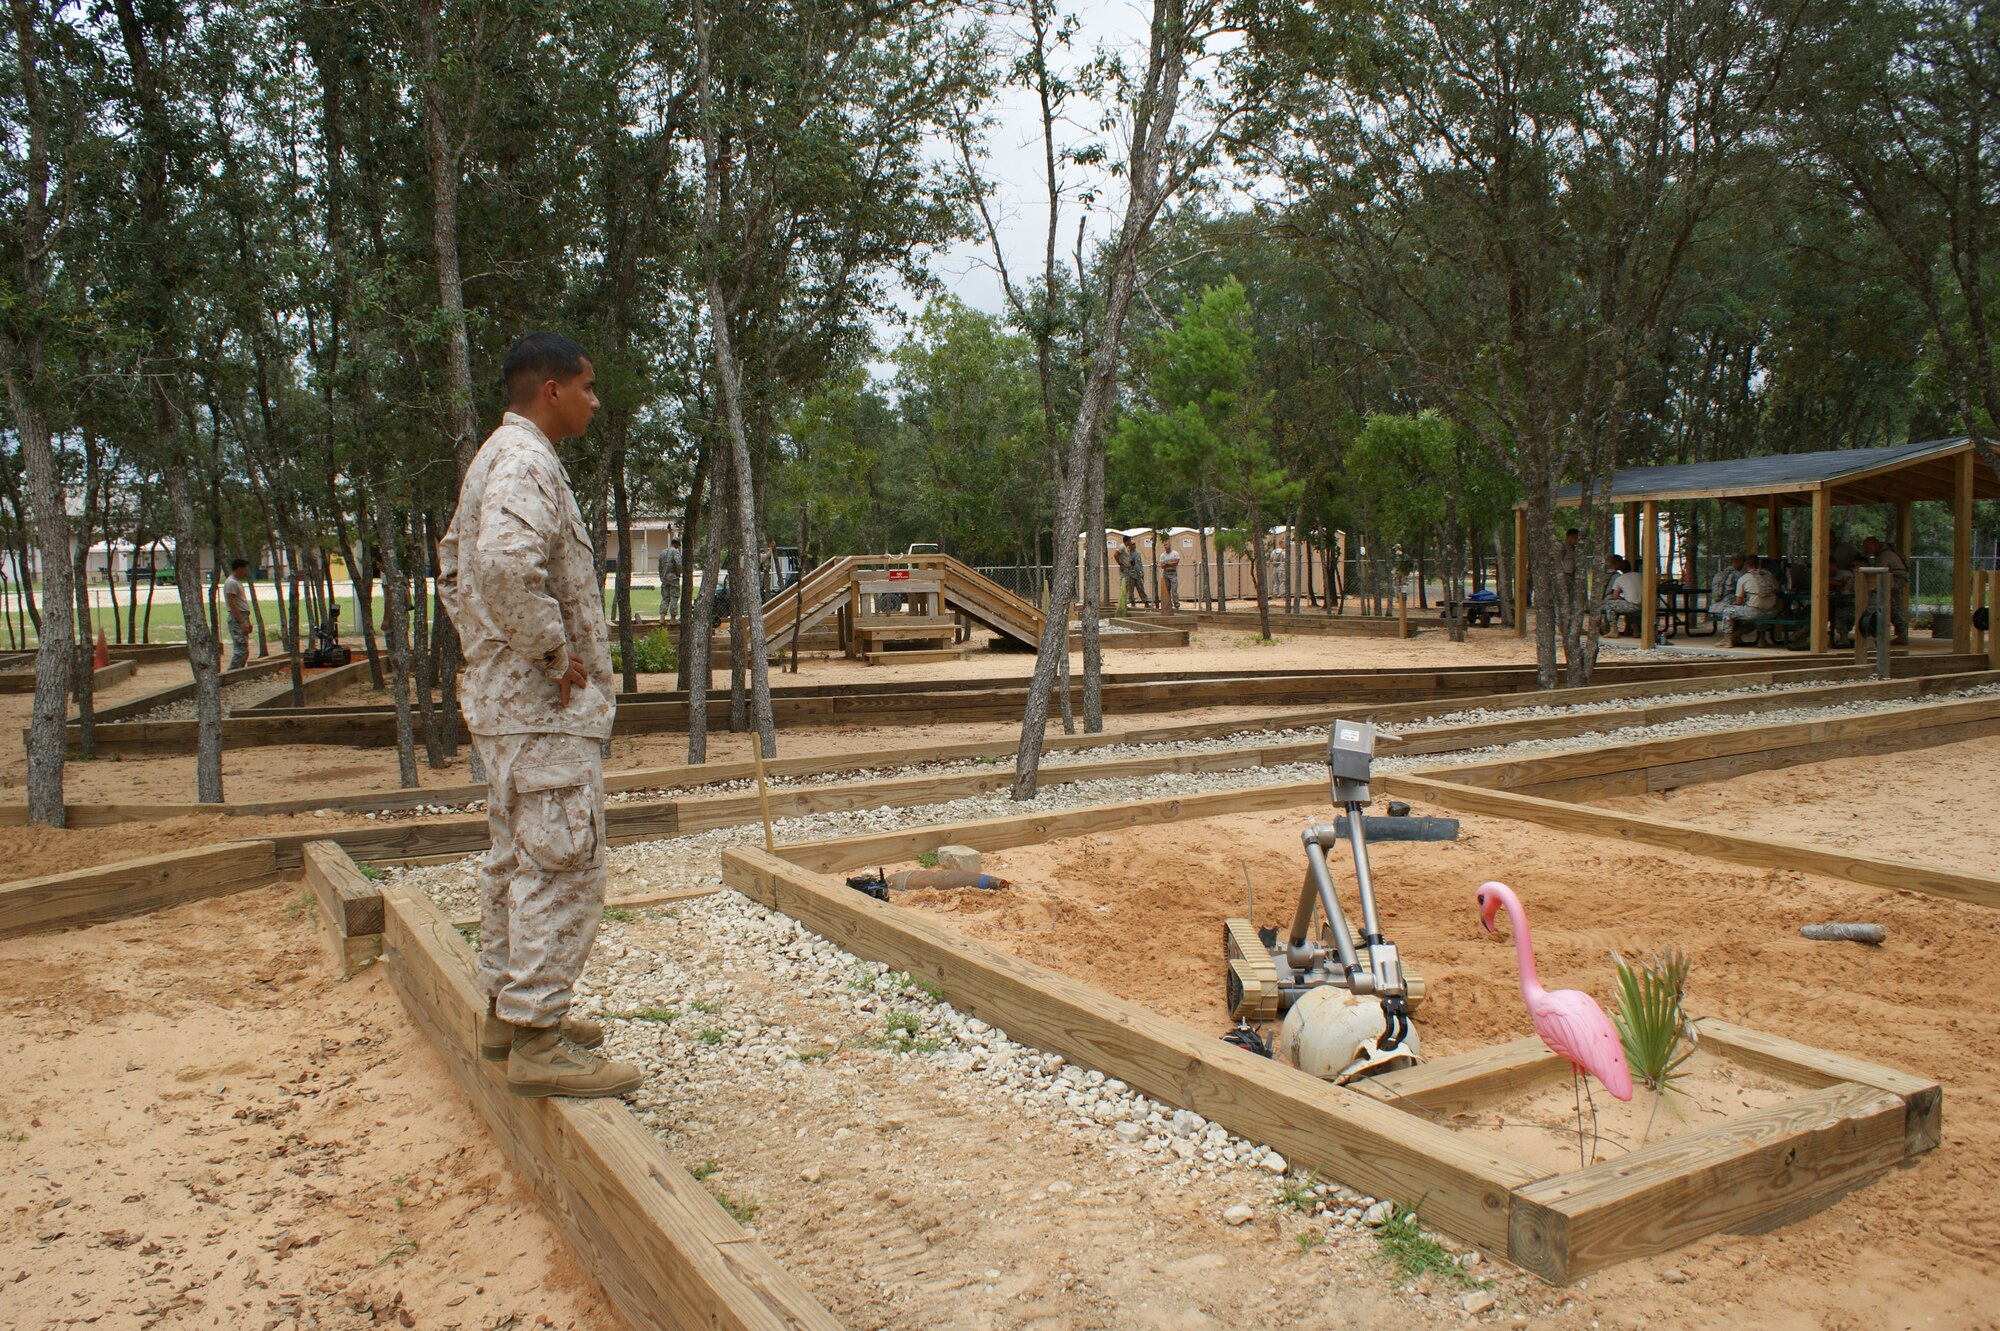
[(103, 656)]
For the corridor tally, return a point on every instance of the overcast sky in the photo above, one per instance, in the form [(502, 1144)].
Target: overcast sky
[(1019, 202)]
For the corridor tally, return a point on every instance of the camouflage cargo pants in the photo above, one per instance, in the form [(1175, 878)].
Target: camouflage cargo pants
[(541, 889)]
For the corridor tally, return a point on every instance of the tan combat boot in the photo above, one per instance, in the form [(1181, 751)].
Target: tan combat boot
[(539, 1065), (496, 1036)]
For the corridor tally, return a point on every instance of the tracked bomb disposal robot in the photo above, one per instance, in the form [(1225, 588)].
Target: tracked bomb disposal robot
[(1318, 979)]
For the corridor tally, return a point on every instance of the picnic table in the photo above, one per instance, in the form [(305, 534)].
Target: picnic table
[(1790, 625)]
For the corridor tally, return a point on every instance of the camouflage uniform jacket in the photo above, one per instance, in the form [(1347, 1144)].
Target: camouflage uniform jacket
[(517, 574)]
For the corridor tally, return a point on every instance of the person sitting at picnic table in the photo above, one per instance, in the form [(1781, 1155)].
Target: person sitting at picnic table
[(1875, 554), (1627, 589), (1756, 596), (1723, 586)]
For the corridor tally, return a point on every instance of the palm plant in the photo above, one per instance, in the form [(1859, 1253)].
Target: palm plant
[(1652, 1023)]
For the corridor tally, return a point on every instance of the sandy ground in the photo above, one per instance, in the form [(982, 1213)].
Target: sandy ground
[(201, 1128), (300, 771), (287, 771), (1933, 805), (1140, 913)]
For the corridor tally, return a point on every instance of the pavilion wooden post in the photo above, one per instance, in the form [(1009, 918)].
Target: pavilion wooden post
[(1520, 572), (1864, 581), (1649, 557), (1774, 532), (1631, 541), (1822, 566), (1906, 528), (1993, 630), (1978, 603), (1961, 554)]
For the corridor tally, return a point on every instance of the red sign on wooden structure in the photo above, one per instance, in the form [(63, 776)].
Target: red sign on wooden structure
[(899, 575)]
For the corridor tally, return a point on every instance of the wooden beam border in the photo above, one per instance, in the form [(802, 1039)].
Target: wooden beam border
[(375, 727), (1754, 1171), (1756, 852), (349, 906), (1351, 1136), (1845, 683), (662, 1247)]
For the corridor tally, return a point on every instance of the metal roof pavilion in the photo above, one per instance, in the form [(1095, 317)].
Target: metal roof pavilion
[(1900, 473), (1947, 470)]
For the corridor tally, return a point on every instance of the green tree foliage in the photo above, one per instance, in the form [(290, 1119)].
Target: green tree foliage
[(1209, 424), (1420, 478)]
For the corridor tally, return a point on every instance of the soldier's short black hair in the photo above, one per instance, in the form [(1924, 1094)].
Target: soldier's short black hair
[(536, 358), (235, 564)]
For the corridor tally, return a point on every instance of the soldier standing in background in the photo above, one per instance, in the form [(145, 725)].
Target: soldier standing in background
[(237, 601), (519, 579), (670, 577)]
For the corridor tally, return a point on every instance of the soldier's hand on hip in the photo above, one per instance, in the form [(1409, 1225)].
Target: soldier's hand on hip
[(573, 678)]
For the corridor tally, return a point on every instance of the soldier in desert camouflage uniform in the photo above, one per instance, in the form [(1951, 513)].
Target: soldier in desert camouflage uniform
[(519, 578)]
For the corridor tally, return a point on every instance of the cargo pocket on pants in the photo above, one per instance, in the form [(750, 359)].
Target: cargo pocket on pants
[(555, 816)]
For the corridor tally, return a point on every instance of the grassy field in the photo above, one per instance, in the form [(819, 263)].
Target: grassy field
[(167, 624)]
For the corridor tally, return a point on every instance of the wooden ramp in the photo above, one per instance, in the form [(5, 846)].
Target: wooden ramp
[(835, 585)]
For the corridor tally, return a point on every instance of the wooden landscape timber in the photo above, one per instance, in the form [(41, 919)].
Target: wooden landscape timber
[(126, 887), (149, 652), (1426, 740), (1131, 634), (1349, 1136), (349, 905), (319, 685), (664, 1250), (146, 702), (922, 704), (1306, 625), (1614, 770), (1749, 1173), (134, 886), (1758, 852), (23, 681)]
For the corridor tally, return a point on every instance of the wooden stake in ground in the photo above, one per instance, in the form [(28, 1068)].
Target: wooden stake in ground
[(764, 798)]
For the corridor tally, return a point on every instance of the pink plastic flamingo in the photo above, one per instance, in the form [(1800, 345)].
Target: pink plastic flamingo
[(1569, 1021)]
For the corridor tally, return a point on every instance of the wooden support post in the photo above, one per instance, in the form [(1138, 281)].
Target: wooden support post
[(1864, 581), (1520, 572), (1649, 578), (1906, 527), (1631, 541), (1993, 632), (1774, 531), (1822, 569), (1978, 604), (1961, 554), (1402, 615)]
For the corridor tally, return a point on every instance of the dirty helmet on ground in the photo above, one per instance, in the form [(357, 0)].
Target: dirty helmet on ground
[(1332, 1034)]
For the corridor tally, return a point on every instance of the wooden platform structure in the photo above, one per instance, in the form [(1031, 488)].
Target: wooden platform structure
[(1943, 470), (858, 592)]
